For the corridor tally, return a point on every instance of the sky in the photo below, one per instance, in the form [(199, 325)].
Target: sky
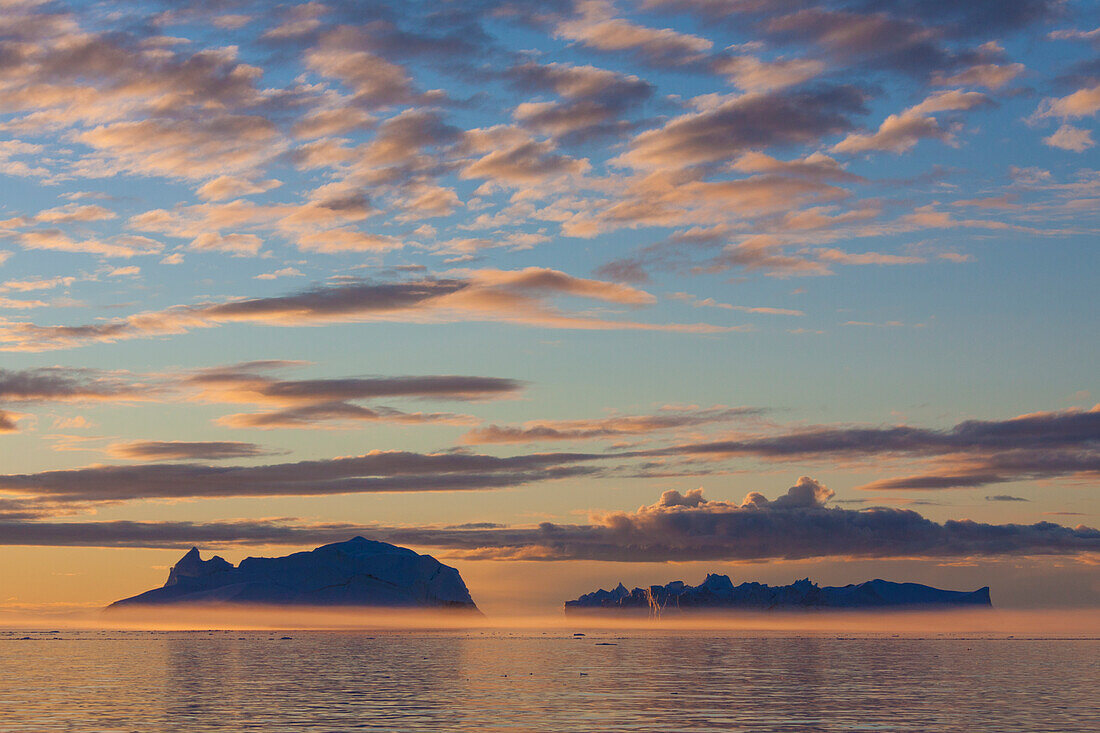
[(564, 293)]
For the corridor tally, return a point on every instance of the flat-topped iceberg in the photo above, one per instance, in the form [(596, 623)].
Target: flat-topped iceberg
[(718, 592), (359, 572)]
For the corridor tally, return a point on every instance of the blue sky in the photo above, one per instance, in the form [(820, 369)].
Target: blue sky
[(562, 258)]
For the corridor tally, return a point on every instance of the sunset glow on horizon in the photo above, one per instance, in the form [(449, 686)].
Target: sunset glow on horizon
[(564, 293)]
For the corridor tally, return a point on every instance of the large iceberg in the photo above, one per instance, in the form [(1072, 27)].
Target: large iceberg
[(718, 592), (359, 572)]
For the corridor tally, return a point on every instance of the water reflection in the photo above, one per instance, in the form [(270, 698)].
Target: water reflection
[(501, 681)]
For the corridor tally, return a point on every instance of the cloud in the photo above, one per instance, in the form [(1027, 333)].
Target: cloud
[(141, 106), (1068, 137), (173, 450), (281, 272), (514, 296), (237, 244), (58, 241), (872, 39), (8, 421), (606, 428), (900, 132), (377, 471), (970, 454), (754, 75), (14, 304), (695, 302), (229, 187), (74, 213), (344, 54), (592, 99), (169, 535), (509, 156), (746, 122), (1082, 103), (596, 26), (866, 258), (61, 384), (194, 149), (990, 76), (798, 525), (310, 403)]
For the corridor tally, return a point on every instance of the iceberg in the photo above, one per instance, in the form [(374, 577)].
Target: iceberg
[(717, 592), (359, 572)]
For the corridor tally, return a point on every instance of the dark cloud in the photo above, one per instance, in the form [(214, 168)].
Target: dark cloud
[(59, 384), (378, 471), (338, 300), (168, 535), (437, 387), (1005, 497), (172, 450), (8, 422), (912, 36), (312, 402), (796, 526), (876, 39), (971, 454), (1040, 430), (678, 528), (971, 18), (746, 122), (592, 99)]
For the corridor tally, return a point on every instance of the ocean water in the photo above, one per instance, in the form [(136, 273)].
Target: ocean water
[(504, 681)]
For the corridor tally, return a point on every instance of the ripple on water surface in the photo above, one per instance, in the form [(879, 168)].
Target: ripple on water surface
[(497, 681)]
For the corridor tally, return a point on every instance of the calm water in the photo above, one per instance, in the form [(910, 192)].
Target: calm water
[(498, 681)]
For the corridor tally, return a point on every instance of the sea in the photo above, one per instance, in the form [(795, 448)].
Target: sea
[(101, 680)]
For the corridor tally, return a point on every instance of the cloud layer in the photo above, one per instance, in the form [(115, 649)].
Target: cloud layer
[(679, 527)]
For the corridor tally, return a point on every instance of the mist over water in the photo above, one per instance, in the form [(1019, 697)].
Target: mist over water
[(1050, 623)]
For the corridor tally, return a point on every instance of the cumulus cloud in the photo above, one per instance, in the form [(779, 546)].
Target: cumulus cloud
[(797, 525)]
